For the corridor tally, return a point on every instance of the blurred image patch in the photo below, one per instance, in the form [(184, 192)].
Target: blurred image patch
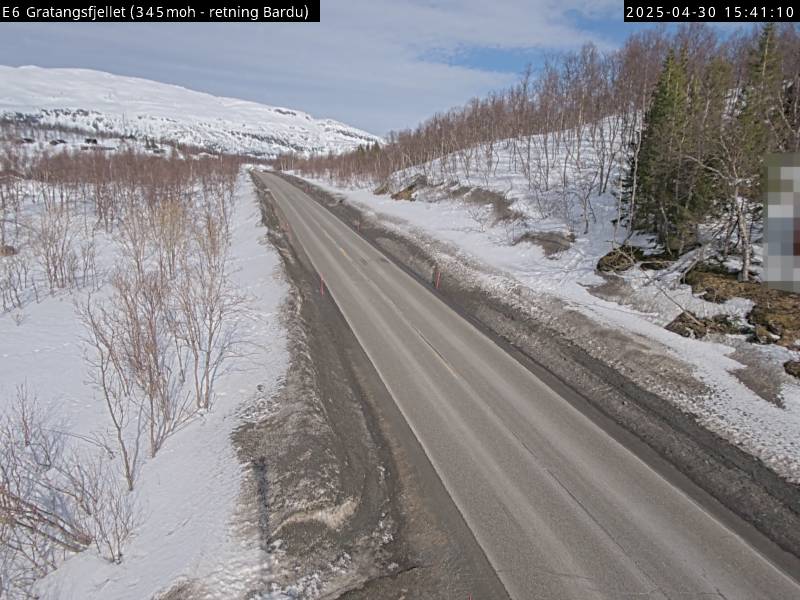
[(782, 233)]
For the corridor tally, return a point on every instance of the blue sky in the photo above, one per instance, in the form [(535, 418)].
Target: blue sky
[(375, 64), (606, 31)]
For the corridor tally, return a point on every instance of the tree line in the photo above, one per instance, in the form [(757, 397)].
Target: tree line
[(677, 124)]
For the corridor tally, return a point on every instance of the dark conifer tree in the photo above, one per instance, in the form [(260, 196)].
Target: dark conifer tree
[(652, 182)]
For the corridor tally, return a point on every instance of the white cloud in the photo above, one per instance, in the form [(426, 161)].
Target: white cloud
[(364, 63)]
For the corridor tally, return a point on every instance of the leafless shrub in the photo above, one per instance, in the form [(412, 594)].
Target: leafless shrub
[(207, 306), (134, 238), (170, 234), (53, 501), (14, 279), (105, 506), (136, 363), (583, 185), (88, 263), (151, 357), (13, 165), (54, 244), (109, 374), (480, 214)]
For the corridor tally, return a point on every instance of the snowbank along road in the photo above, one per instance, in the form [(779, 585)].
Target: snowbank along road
[(561, 509)]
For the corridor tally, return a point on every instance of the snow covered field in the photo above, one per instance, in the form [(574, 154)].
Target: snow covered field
[(769, 428), (185, 499), (110, 104)]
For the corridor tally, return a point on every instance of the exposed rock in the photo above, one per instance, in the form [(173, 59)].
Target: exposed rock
[(792, 367), (382, 189), (407, 193), (619, 259), (687, 325), (761, 335), (7, 250)]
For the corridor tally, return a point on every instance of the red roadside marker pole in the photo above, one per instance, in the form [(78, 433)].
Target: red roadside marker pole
[(321, 285), (438, 278)]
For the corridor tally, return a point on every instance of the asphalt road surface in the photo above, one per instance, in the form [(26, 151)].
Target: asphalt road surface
[(561, 509)]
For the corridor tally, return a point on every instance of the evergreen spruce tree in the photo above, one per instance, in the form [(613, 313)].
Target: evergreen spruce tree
[(757, 125), (702, 193), (651, 186)]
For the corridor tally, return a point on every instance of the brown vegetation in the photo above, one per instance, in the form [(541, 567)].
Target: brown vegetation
[(775, 314)]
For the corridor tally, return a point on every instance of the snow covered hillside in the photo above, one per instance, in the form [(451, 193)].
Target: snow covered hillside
[(103, 103)]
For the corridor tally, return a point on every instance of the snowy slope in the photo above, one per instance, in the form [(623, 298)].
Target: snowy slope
[(106, 103)]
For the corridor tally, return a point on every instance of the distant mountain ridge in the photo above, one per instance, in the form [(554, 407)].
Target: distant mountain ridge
[(101, 102)]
